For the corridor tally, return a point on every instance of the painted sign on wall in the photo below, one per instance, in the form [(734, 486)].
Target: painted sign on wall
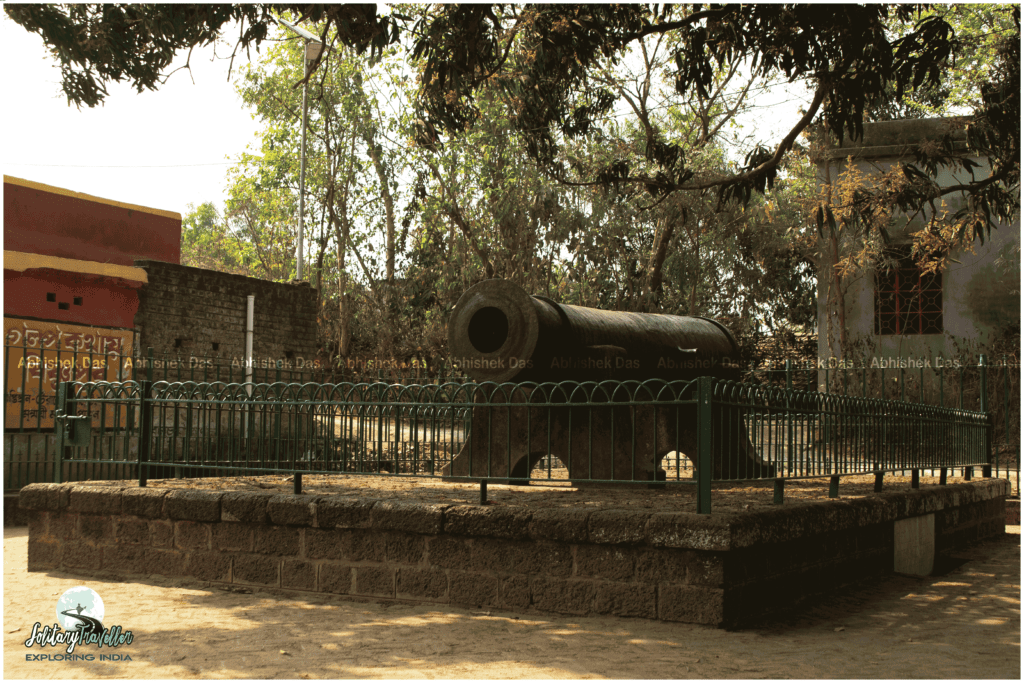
[(39, 355)]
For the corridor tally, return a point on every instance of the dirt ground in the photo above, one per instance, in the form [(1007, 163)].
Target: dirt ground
[(726, 497), (963, 624)]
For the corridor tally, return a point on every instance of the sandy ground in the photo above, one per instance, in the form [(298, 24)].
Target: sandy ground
[(726, 497), (964, 624)]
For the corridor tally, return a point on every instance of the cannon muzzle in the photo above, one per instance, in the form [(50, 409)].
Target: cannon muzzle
[(499, 333)]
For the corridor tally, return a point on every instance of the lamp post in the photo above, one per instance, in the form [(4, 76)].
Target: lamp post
[(313, 49)]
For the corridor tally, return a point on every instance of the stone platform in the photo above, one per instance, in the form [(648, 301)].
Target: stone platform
[(720, 569)]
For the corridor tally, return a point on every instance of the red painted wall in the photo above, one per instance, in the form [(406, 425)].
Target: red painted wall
[(57, 224), (105, 301)]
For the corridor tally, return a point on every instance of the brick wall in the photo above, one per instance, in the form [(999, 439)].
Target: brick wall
[(192, 311), (670, 566)]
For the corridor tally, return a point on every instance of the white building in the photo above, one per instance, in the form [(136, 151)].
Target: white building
[(900, 314)]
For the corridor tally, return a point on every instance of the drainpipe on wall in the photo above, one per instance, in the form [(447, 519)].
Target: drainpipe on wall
[(249, 306), (248, 340)]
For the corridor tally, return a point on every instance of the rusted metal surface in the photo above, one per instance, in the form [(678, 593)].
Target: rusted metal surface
[(499, 333)]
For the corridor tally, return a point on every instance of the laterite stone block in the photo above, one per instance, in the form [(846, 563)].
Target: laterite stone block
[(408, 517), (244, 507), (429, 584), (255, 569), (96, 529), (520, 557), (143, 502), (323, 544), (404, 548), (80, 555), (570, 596), (233, 536), (564, 526), (379, 581), (617, 526), (161, 533), (298, 575), (343, 513), (335, 578), (474, 520), (197, 506), (43, 555), (191, 535), (614, 563), (276, 540), (131, 531), (140, 559), (51, 497), (694, 605), (626, 600), (686, 530), (514, 593), (95, 500), (661, 565), (449, 552), (472, 589), (208, 565), (363, 545), (37, 524), (292, 510)]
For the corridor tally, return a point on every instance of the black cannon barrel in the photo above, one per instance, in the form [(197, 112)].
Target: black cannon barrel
[(499, 333)]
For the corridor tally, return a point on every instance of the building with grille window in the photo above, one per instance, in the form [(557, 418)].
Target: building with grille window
[(893, 309)]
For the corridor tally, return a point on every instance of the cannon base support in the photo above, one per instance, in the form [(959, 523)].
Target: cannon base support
[(598, 443)]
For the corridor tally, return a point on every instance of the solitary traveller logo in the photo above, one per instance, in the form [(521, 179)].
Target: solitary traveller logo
[(80, 613)]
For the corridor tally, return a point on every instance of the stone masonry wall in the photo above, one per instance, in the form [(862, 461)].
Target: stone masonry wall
[(670, 566), (187, 311)]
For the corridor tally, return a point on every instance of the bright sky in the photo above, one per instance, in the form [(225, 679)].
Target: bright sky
[(167, 148), (163, 149)]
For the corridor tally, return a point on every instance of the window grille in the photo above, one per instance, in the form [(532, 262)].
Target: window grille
[(907, 301)]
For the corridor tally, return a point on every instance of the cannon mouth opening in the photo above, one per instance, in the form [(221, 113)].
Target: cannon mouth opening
[(488, 329)]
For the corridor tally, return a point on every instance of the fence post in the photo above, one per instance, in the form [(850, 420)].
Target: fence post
[(790, 442), (704, 397), (58, 456), (833, 486), (983, 372), (146, 419), (780, 491), (1006, 419)]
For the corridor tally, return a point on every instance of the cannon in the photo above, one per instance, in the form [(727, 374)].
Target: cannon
[(498, 333)]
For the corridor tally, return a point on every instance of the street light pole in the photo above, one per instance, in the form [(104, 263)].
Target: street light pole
[(313, 46), (302, 173)]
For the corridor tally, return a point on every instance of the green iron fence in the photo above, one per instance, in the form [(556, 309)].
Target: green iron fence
[(981, 383), (33, 371), (652, 433), (31, 407)]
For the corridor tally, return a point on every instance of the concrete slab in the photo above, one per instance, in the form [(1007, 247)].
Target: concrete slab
[(914, 545)]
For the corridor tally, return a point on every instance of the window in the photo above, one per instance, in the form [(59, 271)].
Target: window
[(907, 301)]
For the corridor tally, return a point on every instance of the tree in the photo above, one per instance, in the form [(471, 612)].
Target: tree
[(545, 58), (137, 43), (579, 150), (982, 29), (206, 241), (351, 180)]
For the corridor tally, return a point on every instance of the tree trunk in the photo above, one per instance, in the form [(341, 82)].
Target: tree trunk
[(654, 270), (389, 213)]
